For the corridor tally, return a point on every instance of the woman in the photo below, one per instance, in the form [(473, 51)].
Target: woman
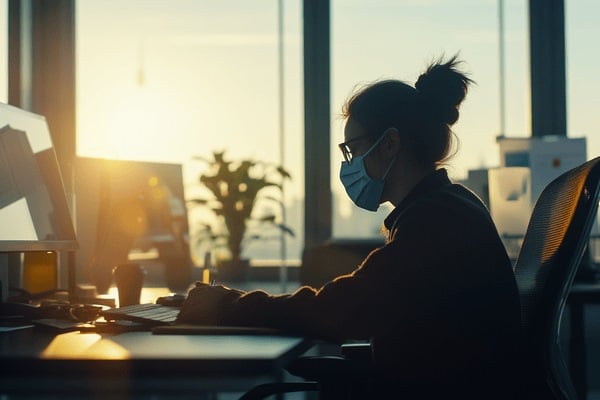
[(439, 301)]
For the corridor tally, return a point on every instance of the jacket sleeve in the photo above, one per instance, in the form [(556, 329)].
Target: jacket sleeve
[(333, 312), (393, 283)]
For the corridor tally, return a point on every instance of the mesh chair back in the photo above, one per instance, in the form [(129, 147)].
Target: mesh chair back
[(552, 249)]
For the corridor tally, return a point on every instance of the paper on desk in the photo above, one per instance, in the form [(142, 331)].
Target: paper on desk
[(61, 324)]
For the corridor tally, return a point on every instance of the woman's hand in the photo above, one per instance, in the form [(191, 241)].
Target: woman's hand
[(203, 305)]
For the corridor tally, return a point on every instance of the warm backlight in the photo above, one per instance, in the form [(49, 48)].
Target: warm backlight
[(83, 346)]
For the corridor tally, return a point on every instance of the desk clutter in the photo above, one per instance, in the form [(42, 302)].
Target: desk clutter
[(55, 310)]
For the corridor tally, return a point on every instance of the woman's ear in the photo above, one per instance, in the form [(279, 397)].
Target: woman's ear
[(391, 142)]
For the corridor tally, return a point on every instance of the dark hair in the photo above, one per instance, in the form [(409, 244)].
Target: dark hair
[(422, 114)]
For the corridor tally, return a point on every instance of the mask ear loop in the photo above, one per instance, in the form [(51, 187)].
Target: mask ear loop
[(393, 160), (389, 168), (375, 144)]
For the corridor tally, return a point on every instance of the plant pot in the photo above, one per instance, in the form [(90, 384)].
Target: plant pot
[(230, 271)]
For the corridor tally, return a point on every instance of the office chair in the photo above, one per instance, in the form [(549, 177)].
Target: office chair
[(552, 249)]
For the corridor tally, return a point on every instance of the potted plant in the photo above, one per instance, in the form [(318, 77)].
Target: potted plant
[(234, 190)]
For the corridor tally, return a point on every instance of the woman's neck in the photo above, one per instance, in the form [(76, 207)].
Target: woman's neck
[(403, 182)]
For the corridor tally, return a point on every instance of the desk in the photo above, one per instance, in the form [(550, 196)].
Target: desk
[(34, 362), (581, 294)]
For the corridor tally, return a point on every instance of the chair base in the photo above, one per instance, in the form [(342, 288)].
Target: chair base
[(269, 389)]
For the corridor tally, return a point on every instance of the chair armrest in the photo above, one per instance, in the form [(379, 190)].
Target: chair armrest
[(358, 351), (277, 388), (331, 368)]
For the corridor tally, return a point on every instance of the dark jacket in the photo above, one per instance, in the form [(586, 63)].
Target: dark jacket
[(439, 300)]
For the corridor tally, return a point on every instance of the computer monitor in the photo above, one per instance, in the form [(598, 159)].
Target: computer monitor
[(126, 208), (34, 211)]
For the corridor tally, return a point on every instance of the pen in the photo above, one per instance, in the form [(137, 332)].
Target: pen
[(212, 283), (206, 270)]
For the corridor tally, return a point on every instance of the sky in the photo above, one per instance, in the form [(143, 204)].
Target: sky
[(166, 80)]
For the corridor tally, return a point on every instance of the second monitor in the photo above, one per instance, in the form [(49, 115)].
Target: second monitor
[(123, 207)]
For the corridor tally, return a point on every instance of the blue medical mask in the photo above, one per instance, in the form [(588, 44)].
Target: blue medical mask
[(363, 190)]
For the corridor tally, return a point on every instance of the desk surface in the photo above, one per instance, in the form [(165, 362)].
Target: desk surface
[(80, 358)]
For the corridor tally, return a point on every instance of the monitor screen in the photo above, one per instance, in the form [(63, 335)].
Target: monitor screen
[(131, 211), (34, 211)]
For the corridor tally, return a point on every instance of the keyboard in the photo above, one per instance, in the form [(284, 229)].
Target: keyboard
[(150, 314)]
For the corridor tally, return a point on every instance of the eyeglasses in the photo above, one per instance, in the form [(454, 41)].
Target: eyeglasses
[(345, 147)]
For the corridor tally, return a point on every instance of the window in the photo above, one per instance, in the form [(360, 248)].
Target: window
[(393, 39), (170, 80), (583, 83), (4, 51)]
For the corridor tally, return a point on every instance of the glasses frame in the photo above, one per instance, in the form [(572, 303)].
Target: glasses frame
[(346, 152)]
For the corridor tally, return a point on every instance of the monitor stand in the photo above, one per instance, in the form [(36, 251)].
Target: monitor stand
[(10, 264), (3, 277)]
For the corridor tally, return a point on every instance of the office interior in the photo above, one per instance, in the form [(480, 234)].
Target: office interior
[(42, 68)]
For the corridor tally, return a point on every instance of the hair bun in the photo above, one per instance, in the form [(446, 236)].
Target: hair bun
[(443, 87)]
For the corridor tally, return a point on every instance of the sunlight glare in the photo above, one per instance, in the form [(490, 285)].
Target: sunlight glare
[(135, 123)]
